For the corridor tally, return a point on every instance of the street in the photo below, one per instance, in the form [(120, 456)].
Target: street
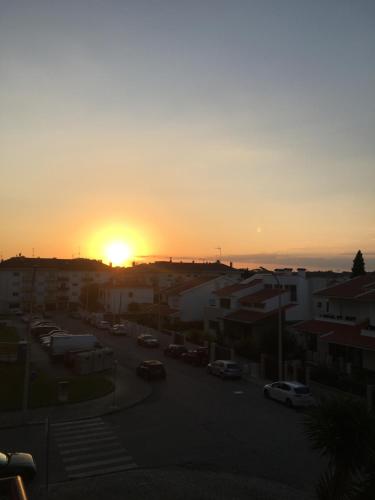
[(192, 420)]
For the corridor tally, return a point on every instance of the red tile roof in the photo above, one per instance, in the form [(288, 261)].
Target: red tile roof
[(261, 296), (338, 333), (230, 289), (187, 285), (351, 289), (246, 316)]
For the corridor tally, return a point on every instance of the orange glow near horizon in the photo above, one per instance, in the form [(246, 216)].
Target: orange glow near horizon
[(117, 245)]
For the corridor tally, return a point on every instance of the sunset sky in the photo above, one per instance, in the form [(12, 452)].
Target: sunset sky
[(176, 127)]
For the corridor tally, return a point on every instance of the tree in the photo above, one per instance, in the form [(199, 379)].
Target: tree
[(358, 268), (343, 430)]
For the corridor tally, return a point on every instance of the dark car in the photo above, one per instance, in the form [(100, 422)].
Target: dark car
[(17, 464), (151, 370), (147, 340), (197, 357), (175, 350)]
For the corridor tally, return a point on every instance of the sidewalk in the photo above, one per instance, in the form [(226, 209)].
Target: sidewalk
[(129, 392)]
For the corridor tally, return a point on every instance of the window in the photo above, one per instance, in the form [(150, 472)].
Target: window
[(15, 294), (16, 274), (293, 293), (225, 303), (327, 306), (319, 305), (130, 294)]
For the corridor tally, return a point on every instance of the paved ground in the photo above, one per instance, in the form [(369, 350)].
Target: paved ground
[(193, 436)]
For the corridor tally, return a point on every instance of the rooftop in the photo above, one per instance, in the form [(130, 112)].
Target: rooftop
[(237, 287), (261, 296), (361, 287), (338, 333), (79, 264)]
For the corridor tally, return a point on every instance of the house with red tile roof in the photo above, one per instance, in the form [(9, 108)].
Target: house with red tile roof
[(260, 292), (342, 333), (190, 298)]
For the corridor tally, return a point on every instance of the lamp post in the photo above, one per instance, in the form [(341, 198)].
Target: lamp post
[(279, 324)]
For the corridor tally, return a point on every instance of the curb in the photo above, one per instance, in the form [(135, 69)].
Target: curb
[(94, 413)]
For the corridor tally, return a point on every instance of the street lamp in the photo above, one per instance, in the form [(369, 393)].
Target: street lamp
[(279, 327)]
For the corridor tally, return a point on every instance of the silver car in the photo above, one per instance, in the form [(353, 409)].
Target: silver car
[(225, 369), (289, 393)]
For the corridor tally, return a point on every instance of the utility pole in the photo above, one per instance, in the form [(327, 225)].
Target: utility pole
[(219, 248), (279, 323)]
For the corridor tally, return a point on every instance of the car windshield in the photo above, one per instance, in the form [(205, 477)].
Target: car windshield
[(232, 366), (302, 390)]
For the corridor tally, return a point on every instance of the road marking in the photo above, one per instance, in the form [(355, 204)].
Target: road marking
[(238, 392), (90, 448), (104, 470)]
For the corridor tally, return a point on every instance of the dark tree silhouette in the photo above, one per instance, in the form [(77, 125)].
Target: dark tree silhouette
[(358, 268), (343, 430)]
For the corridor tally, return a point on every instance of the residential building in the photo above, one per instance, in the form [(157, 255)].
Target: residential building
[(116, 298), (48, 283), (187, 301), (163, 274), (342, 333)]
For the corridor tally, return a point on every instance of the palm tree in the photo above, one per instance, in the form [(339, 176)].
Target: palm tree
[(343, 430)]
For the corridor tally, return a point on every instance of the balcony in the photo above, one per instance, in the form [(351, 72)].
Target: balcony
[(342, 319)]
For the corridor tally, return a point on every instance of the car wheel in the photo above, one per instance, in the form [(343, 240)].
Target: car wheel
[(266, 394), (288, 403)]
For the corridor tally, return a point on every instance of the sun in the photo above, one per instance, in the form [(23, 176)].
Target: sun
[(118, 253)]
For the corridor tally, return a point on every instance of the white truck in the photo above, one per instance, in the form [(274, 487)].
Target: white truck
[(60, 344)]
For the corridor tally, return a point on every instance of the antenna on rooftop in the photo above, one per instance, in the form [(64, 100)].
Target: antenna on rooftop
[(33, 253), (219, 248)]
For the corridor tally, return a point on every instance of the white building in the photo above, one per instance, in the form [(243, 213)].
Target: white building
[(49, 283), (190, 299), (342, 333), (297, 291), (116, 298)]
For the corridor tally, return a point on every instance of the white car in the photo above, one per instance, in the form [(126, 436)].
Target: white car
[(289, 393), (225, 369)]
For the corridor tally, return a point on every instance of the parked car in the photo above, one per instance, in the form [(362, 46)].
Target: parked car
[(289, 393), (197, 357), (151, 370), (119, 329), (175, 350), (224, 369), (17, 464), (147, 340), (103, 325)]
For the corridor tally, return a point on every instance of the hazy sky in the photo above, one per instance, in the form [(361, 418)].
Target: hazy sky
[(181, 126)]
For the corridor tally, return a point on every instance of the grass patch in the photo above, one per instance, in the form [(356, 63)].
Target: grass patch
[(44, 388)]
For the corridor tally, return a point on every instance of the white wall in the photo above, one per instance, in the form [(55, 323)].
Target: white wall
[(192, 302), (117, 300)]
